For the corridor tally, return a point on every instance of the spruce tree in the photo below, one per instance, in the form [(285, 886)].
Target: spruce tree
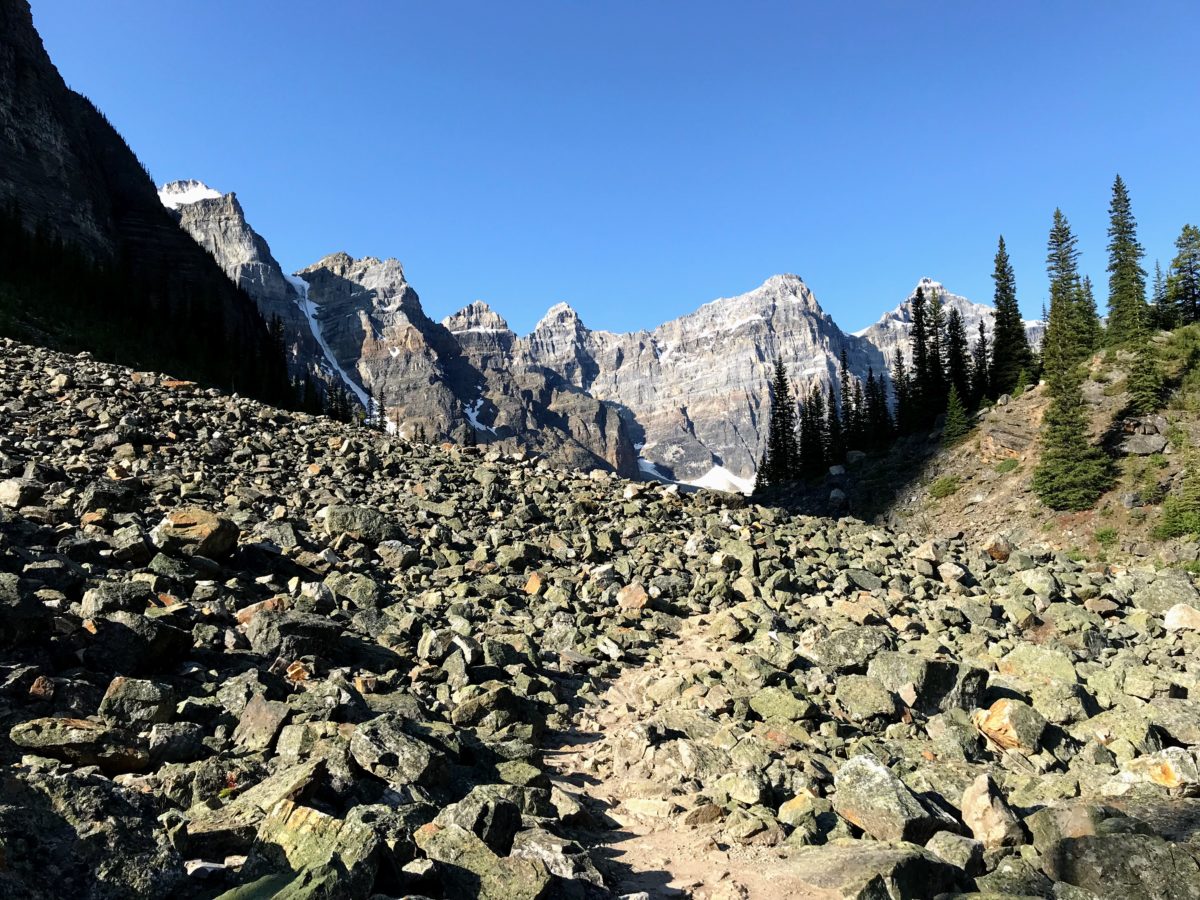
[(812, 435), (781, 457), (981, 369), (1065, 343), (859, 420), (938, 384), (1126, 277), (921, 367), (1181, 511), (1072, 473), (1010, 347), (957, 424), (1089, 319), (846, 397), (1162, 313), (902, 392), (1144, 383), (958, 367), (833, 430), (879, 419), (1183, 281)]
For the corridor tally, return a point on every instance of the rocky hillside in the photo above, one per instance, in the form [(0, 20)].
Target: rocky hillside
[(685, 402), (985, 484), (245, 652)]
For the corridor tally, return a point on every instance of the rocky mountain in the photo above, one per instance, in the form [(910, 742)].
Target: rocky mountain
[(685, 402), (892, 333), (68, 175), (695, 386), (247, 652), (218, 224)]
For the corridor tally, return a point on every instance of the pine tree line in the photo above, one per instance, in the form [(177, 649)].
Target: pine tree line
[(947, 377)]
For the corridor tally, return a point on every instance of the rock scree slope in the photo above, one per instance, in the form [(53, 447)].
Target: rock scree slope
[(250, 653)]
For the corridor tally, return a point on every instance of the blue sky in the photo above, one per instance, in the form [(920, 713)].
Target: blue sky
[(637, 159)]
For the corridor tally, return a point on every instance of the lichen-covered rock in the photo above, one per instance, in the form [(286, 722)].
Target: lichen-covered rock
[(871, 797)]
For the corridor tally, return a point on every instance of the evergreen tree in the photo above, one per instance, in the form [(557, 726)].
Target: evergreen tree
[(1183, 282), (1089, 319), (1144, 381), (937, 386), (782, 457), (1010, 347), (812, 435), (981, 369), (1065, 344), (1126, 277), (958, 368), (957, 424), (859, 419), (1022, 384), (1071, 474), (921, 367), (1162, 313), (1181, 512), (846, 396), (902, 392), (879, 419), (833, 430)]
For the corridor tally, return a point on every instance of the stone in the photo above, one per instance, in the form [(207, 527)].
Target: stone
[(1126, 866), (851, 648), (1143, 444), (259, 723), (991, 820), (936, 685), (998, 547), (1035, 663), (964, 852), (1165, 590), (82, 743), (22, 616), (382, 748), (195, 531), (781, 703), (362, 524), (1012, 725), (470, 868), (1182, 617), (868, 795), (136, 703), (632, 597), (864, 699), (854, 870)]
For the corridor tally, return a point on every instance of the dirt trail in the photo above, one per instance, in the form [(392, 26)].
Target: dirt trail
[(648, 840)]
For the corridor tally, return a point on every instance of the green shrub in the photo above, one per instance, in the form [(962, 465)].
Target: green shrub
[(1007, 465), (944, 487), (1106, 537)]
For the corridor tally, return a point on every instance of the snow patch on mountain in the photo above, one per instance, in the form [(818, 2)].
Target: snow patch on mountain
[(310, 313), (719, 478), (183, 193)]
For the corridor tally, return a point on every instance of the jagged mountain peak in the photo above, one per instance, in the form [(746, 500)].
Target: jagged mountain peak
[(558, 315), (476, 317), (175, 194), (343, 264)]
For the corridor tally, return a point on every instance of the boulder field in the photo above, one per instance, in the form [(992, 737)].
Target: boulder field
[(252, 653)]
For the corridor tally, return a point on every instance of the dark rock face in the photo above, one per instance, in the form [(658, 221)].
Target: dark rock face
[(69, 172)]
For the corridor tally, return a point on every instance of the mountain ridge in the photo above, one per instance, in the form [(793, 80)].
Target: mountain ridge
[(688, 395)]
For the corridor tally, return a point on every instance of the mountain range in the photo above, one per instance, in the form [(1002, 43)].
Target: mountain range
[(683, 402)]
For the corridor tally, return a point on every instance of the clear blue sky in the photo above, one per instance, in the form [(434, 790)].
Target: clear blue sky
[(638, 158)]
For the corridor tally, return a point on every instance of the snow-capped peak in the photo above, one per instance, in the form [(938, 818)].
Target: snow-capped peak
[(175, 194)]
